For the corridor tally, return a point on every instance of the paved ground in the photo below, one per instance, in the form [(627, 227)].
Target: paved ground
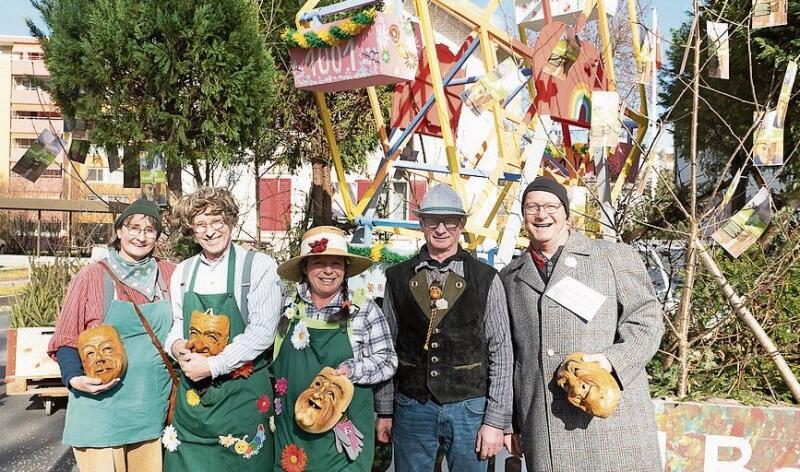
[(31, 440)]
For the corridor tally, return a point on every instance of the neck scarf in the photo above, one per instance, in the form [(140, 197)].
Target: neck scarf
[(140, 275)]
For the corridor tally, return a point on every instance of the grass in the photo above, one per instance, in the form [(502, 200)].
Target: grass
[(13, 273), (11, 289)]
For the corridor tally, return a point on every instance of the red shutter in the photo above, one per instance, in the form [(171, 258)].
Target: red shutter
[(418, 188), (276, 204), (361, 188)]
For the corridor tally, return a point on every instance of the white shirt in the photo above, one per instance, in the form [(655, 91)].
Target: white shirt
[(263, 303)]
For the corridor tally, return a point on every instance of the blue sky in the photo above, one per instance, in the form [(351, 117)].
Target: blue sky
[(670, 13), (12, 21)]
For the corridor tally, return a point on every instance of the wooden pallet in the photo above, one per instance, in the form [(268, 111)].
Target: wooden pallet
[(29, 370)]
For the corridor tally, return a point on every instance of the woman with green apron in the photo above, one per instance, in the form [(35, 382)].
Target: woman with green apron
[(223, 326), (327, 326), (116, 425)]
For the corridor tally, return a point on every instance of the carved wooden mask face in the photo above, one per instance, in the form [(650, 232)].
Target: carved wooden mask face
[(208, 333), (323, 403), (102, 353), (589, 387)]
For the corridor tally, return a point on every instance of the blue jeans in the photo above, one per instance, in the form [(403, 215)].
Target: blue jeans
[(420, 428)]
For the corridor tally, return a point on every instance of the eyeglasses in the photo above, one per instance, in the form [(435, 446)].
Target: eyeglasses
[(202, 228), (134, 231), (549, 208), (449, 223)]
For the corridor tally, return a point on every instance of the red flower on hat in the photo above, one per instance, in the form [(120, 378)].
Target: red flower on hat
[(263, 404), (293, 458), (318, 246)]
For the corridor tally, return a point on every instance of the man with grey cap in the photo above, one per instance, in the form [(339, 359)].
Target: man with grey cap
[(568, 294), (448, 316)]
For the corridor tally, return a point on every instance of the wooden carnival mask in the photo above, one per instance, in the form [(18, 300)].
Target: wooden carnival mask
[(589, 387), (323, 403), (102, 353), (208, 333)]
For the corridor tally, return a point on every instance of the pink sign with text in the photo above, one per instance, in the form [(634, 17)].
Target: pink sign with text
[(385, 53)]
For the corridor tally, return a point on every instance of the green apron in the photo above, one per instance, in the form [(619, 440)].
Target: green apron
[(135, 409), (329, 346), (223, 424)]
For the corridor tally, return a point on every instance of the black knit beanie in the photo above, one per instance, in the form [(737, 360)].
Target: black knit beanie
[(549, 185), (141, 206)]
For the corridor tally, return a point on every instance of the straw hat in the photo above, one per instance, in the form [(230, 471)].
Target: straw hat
[(323, 241)]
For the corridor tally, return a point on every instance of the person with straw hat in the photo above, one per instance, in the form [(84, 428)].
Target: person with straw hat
[(326, 325), (453, 384)]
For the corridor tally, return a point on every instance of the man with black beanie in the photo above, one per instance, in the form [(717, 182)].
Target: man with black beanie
[(568, 294)]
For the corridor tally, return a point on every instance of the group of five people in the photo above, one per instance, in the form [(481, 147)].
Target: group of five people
[(459, 357)]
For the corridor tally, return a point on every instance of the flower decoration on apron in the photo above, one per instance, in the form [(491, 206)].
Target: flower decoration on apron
[(244, 371), (192, 398), (301, 338), (169, 438), (242, 446), (263, 404), (281, 386), (293, 458)]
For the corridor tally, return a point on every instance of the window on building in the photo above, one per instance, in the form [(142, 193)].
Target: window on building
[(37, 115), (28, 56), (275, 197), (52, 173), (24, 142), (30, 83), (94, 174), (108, 198)]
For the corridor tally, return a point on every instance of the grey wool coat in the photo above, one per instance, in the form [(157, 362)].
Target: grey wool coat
[(556, 436)]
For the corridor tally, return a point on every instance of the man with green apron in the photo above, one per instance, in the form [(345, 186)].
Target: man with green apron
[(116, 425), (326, 325), (225, 400)]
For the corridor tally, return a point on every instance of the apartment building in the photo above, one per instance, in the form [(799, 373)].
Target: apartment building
[(25, 110)]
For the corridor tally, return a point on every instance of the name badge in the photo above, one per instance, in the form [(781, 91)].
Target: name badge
[(576, 297)]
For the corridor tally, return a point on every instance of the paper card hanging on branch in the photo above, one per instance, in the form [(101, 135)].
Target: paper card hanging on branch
[(644, 63), (530, 13), (130, 167), (39, 156), (578, 197), (768, 141), (112, 154), (747, 225), (606, 122), (495, 87), (616, 162), (767, 13), (723, 212), (383, 53), (786, 92), (566, 52), (718, 50), (153, 177), (78, 133)]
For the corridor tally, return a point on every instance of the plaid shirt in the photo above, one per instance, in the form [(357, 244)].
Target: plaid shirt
[(374, 359)]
